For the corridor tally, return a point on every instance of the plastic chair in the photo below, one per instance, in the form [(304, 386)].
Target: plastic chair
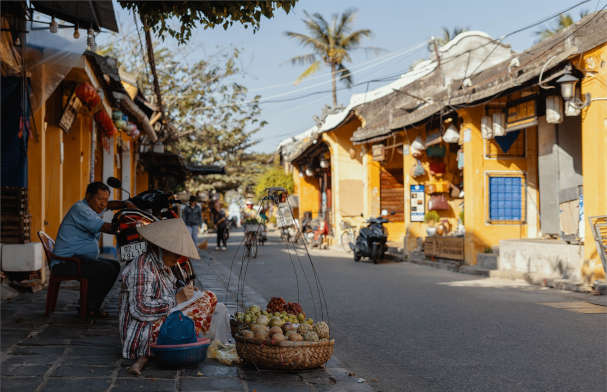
[(55, 279)]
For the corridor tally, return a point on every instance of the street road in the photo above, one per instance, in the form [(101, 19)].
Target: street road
[(405, 327)]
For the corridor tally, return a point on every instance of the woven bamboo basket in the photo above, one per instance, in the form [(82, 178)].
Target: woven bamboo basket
[(287, 356)]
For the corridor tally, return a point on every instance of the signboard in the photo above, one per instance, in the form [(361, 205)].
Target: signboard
[(69, 114), (521, 114), (284, 218), (418, 203), (377, 151)]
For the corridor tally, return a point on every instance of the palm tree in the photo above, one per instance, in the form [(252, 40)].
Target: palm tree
[(565, 20), (331, 43), (447, 36)]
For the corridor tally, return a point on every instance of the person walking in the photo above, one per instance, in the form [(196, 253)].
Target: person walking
[(221, 224), (192, 216)]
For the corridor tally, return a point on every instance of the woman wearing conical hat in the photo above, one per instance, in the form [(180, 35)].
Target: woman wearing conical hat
[(149, 290)]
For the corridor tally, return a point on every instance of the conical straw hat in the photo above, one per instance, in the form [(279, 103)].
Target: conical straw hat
[(172, 235)]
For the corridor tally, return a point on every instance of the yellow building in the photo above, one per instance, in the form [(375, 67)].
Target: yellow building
[(527, 160), (508, 161)]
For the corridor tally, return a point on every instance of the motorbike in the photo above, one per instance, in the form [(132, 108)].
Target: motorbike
[(152, 206), (371, 240)]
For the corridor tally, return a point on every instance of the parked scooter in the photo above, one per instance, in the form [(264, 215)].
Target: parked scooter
[(371, 240), (152, 206)]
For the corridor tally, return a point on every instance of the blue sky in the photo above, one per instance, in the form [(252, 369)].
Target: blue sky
[(400, 27)]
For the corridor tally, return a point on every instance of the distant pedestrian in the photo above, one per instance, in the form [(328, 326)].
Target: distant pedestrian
[(192, 216), (221, 224)]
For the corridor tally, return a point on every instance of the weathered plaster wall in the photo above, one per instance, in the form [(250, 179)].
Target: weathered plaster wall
[(480, 234), (594, 153)]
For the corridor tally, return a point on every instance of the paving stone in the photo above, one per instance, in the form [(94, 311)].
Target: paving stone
[(317, 377), (102, 360), (150, 372), (50, 352), (272, 386), (191, 384), (210, 369), (19, 384), (24, 370), (251, 374), (76, 385), (107, 351), (21, 360), (82, 371), (143, 384)]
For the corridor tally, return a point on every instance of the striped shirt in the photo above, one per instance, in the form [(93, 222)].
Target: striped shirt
[(147, 294)]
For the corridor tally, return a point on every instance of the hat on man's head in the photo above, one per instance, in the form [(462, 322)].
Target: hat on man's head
[(192, 198), (171, 235)]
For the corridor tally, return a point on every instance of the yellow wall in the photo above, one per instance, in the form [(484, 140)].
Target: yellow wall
[(36, 156), (416, 231), (345, 167), (479, 233), (594, 153), (309, 196)]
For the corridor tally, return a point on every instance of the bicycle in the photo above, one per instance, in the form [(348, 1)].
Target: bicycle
[(348, 236)]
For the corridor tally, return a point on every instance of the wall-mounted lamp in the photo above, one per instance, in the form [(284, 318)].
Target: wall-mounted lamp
[(567, 82), (573, 104)]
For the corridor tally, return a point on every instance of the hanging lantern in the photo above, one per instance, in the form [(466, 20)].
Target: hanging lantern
[(486, 127), (499, 124), (324, 163), (554, 109), (451, 134), (116, 115), (76, 32), (88, 95), (309, 172), (54, 26)]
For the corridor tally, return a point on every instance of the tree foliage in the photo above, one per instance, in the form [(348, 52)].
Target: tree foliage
[(446, 36), (564, 21), (273, 177), (214, 119), (179, 18), (330, 43)]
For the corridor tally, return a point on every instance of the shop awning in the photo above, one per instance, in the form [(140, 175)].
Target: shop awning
[(86, 14)]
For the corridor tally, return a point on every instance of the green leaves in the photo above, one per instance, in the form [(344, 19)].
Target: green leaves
[(208, 14), (216, 120), (331, 42), (273, 177)]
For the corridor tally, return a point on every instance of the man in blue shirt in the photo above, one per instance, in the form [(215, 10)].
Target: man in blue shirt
[(79, 236)]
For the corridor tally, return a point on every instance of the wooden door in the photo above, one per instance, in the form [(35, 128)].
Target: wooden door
[(392, 196)]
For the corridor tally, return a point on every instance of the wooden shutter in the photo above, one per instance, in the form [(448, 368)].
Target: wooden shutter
[(392, 193)]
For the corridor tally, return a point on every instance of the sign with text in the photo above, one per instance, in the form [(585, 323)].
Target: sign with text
[(69, 114), (417, 196)]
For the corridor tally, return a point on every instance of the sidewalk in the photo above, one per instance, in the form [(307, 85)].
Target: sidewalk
[(62, 353)]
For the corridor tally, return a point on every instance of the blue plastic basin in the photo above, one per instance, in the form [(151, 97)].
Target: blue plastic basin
[(179, 355)]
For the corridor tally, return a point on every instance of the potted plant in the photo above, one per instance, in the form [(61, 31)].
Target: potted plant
[(431, 218)]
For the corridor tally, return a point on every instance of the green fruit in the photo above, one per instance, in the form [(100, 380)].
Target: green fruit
[(276, 314), (301, 317), (309, 321), (247, 319)]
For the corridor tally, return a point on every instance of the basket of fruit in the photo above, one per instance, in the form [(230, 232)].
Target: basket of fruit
[(281, 337)]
